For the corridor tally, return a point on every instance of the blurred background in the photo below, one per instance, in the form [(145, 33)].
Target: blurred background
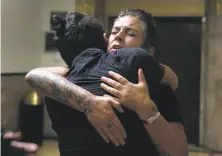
[(189, 41)]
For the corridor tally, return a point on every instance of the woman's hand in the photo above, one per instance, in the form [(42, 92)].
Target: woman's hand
[(133, 96), (28, 147)]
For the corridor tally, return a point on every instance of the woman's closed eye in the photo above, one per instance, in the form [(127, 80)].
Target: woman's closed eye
[(132, 35), (114, 32)]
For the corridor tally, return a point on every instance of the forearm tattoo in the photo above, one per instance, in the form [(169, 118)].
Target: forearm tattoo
[(60, 89)]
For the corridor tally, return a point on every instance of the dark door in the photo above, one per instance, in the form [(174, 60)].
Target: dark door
[(179, 46)]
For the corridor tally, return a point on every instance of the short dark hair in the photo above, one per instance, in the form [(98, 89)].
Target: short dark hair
[(75, 33), (149, 25)]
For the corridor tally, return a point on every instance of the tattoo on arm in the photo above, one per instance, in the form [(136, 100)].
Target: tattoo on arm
[(60, 89)]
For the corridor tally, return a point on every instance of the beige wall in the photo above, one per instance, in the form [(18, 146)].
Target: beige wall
[(21, 35), (211, 84), (156, 7), (159, 7), (49, 59), (24, 23)]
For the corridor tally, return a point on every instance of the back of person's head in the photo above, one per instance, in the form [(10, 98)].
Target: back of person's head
[(148, 27), (75, 33)]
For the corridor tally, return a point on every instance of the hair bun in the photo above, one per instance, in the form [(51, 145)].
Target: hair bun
[(57, 23)]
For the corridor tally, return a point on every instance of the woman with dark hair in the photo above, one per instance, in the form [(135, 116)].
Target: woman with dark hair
[(80, 42)]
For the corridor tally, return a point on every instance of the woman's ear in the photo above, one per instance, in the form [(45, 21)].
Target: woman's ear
[(106, 38), (151, 50)]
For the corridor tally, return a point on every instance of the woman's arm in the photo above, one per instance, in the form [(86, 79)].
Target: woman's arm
[(170, 77), (50, 82), (154, 71), (58, 70), (170, 142), (167, 134), (98, 109)]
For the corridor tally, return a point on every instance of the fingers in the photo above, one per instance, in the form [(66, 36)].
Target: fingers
[(102, 134), (117, 136), (141, 77), (111, 82), (106, 122), (110, 136), (115, 103), (105, 95), (120, 128), (118, 77), (114, 130), (113, 133), (118, 107), (111, 90), (27, 147), (12, 135)]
